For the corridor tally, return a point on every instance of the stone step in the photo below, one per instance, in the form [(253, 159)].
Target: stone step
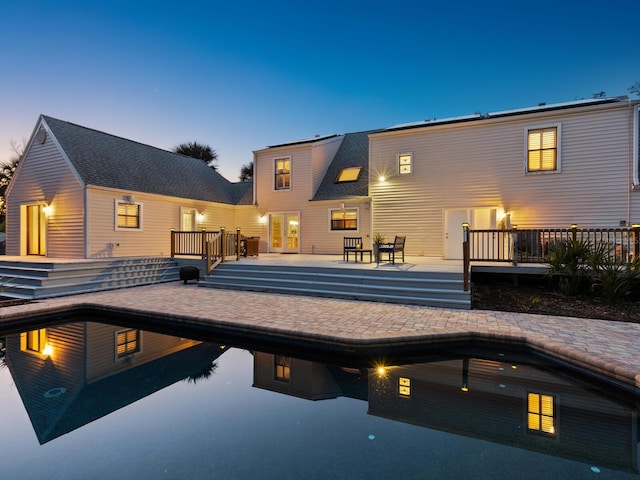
[(438, 289)]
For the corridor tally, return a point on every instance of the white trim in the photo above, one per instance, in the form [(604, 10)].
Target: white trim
[(117, 201), (411, 165), (527, 129), (636, 147), (340, 209), (273, 173)]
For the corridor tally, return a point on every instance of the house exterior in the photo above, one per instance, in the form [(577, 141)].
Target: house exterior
[(549, 166), (311, 193), (66, 374), (80, 193)]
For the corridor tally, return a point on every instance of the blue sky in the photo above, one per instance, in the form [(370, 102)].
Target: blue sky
[(245, 75)]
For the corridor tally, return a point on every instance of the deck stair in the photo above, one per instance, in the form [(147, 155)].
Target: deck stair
[(436, 289), (38, 279)]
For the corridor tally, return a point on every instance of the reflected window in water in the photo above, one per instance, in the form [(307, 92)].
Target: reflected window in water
[(33, 341), (127, 342), (541, 414), (283, 368)]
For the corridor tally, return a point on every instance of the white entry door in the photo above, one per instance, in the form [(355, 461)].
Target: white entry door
[(477, 218)]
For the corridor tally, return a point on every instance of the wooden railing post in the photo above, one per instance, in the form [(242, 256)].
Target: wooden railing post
[(237, 244), (574, 231), (223, 246), (203, 243), (514, 235), (173, 243), (465, 256), (636, 240)]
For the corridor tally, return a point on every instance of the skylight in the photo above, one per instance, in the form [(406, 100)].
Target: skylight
[(349, 174)]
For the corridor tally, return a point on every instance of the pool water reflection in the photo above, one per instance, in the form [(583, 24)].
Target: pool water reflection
[(108, 401)]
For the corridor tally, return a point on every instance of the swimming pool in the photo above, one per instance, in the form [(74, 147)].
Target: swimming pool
[(93, 400)]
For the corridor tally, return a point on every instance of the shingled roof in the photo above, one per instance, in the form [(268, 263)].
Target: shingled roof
[(353, 152), (105, 160)]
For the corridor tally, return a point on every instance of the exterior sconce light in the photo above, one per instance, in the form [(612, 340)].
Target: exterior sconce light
[(47, 351), (382, 178), (47, 210), (200, 217)]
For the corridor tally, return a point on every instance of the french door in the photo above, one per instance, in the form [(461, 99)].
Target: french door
[(284, 231)]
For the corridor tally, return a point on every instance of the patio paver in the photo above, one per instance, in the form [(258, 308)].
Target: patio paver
[(606, 347)]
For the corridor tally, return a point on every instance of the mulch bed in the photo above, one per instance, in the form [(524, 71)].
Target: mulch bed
[(537, 297)]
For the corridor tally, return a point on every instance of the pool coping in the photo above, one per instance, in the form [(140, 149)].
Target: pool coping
[(57, 310)]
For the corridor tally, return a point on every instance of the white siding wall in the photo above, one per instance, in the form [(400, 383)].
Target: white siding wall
[(45, 177), (481, 164), (159, 215), (101, 349), (315, 234)]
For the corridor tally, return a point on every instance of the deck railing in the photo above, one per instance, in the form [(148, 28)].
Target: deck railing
[(532, 245), (213, 246)]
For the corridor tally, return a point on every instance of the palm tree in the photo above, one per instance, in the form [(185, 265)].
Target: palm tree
[(200, 151), (246, 172)]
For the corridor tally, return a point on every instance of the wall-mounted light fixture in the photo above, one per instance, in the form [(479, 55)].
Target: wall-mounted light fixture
[(47, 210), (47, 351), (262, 219), (200, 217), (382, 179)]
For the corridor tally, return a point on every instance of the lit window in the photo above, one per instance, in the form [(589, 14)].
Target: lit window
[(541, 416), (405, 161), (349, 174), (346, 219), (282, 173), (542, 150), (404, 387), (128, 215), (283, 368), (33, 341), (127, 342)]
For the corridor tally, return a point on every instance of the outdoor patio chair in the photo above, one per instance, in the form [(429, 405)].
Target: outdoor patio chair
[(350, 243), (391, 249)]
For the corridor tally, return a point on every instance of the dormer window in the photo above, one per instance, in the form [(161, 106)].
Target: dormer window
[(348, 174), (282, 173)]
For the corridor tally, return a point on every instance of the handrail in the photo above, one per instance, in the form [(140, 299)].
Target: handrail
[(532, 245)]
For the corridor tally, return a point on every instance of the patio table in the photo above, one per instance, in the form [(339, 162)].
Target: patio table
[(360, 251)]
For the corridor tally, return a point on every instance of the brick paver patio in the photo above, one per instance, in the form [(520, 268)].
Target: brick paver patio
[(605, 347)]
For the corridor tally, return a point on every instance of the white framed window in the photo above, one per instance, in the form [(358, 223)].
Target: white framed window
[(343, 219), (127, 342), (542, 149), (128, 215), (405, 163), (282, 173)]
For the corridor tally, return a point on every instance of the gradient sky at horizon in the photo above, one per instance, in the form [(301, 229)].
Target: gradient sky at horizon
[(246, 75)]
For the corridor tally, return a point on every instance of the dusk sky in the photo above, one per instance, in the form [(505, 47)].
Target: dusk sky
[(243, 75)]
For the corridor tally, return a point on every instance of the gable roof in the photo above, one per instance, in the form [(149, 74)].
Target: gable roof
[(105, 160), (353, 152)]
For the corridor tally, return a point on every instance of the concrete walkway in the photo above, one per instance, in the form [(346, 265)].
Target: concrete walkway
[(604, 347)]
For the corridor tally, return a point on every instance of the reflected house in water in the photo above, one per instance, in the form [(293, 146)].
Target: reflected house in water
[(524, 405), (73, 374)]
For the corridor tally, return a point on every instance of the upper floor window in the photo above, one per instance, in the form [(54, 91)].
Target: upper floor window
[(344, 219), (282, 366), (542, 149), (128, 215), (349, 174), (541, 413), (405, 163), (282, 168)]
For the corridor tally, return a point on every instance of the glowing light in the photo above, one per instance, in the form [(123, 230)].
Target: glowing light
[(262, 219), (47, 210), (47, 351), (382, 178), (200, 217), (464, 388), (381, 370)]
